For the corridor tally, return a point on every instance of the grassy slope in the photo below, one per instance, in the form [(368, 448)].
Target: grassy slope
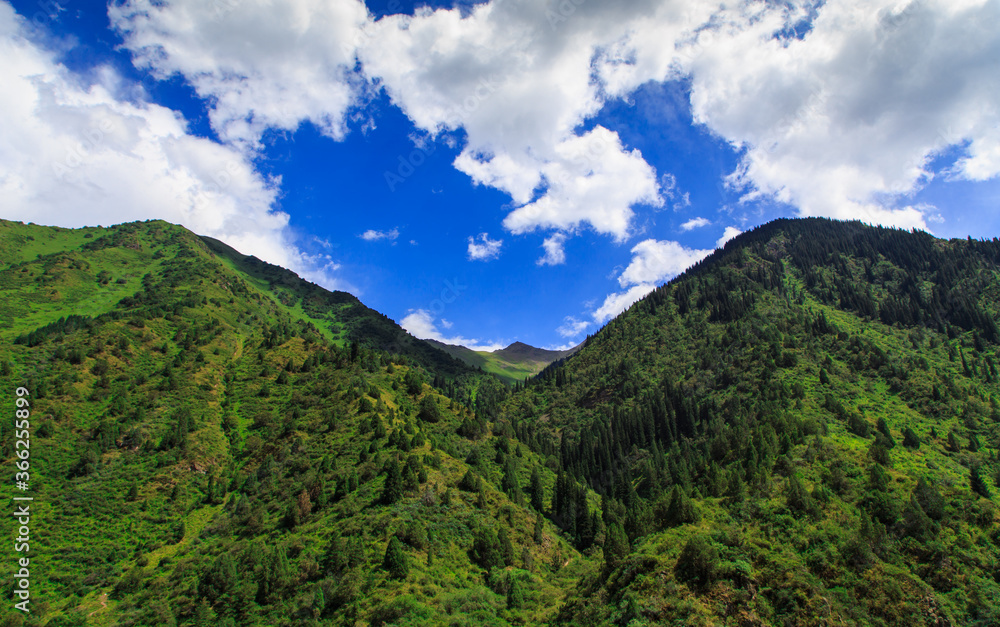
[(273, 417)]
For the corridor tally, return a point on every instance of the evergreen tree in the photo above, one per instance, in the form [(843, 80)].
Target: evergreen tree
[(698, 562), (537, 491), (616, 546), (953, 445), (395, 560), (515, 594), (506, 548), (486, 550), (393, 489), (916, 523), (977, 483), (429, 411), (798, 498), (929, 499), (680, 510)]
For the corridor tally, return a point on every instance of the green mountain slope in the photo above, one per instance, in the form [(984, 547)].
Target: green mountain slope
[(512, 364), (202, 453), (803, 429)]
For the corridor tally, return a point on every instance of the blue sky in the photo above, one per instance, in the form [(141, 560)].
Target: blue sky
[(503, 171)]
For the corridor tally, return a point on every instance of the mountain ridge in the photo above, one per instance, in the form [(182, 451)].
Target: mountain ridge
[(804, 428), (513, 364)]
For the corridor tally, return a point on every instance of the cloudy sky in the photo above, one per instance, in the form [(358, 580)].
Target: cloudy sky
[(499, 171)]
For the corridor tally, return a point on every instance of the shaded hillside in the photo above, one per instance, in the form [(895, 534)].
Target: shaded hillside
[(203, 454), (803, 429)]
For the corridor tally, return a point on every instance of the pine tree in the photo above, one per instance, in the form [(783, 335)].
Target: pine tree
[(698, 562), (977, 483), (680, 510), (798, 498), (916, 523), (515, 594), (911, 439), (393, 489), (429, 411), (506, 548), (616, 546), (929, 499), (395, 561), (953, 444), (537, 491)]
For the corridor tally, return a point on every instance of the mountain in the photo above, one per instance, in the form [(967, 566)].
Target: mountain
[(803, 429), (215, 442), (512, 364)]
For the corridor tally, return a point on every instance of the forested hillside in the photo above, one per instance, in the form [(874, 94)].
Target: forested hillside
[(203, 454), (801, 430)]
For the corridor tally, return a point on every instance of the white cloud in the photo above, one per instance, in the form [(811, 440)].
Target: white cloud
[(519, 89), (75, 154), (420, 323), (371, 235), (653, 262), (840, 122), (728, 234), (695, 223), (260, 64), (617, 302), (555, 253), (572, 327), (561, 347), (483, 248), (843, 122)]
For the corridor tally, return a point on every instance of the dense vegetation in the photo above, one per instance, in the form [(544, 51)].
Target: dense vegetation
[(802, 429), (204, 454)]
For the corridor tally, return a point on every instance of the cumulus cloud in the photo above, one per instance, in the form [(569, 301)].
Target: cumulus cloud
[(653, 262), (520, 98), (840, 121), (555, 253), (371, 235), (695, 223), (617, 302), (844, 121), (77, 154), (483, 248), (261, 65), (728, 234), (421, 324), (572, 327)]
